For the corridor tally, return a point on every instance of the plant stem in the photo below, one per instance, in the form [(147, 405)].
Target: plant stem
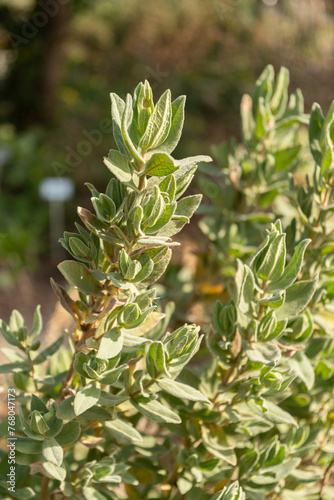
[(68, 379), (45, 488), (32, 371), (325, 480)]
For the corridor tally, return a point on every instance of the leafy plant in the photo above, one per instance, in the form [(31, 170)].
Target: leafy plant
[(272, 333), (120, 414), (79, 417)]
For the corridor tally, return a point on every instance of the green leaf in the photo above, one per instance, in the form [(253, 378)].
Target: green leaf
[(324, 370), (79, 276), (69, 434), (111, 376), (147, 266), (126, 122), (154, 410), (315, 132), (111, 344), (175, 130), (247, 288), (275, 301), (145, 105), (108, 399), (274, 259), (16, 321), (156, 359), (159, 123), (37, 324), (286, 157), (133, 270), (56, 426), (23, 493), (327, 161), (52, 452), (160, 165), (65, 411), (232, 492), (8, 335), (55, 471), (162, 221), (188, 205), (11, 355), (297, 298), (271, 412), (48, 352), (289, 121), (118, 165), (267, 353), (37, 404), (280, 96), (133, 342), (292, 270), (15, 367), (217, 446), (86, 398), (184, 210), (92, 494), (181, 391), (37, 423), (248, 462), (302, 367), (123, 431), (28, 445), (78, 248), (117, 111), (26, 429)]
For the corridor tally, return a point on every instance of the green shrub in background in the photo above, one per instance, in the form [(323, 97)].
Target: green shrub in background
[(245, 190), (120, 415), (274, 355)]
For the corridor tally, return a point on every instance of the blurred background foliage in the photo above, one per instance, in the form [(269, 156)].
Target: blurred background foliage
[(59, 60)]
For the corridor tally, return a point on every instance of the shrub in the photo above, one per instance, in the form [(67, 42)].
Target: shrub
[(272, 336), (120, 414)]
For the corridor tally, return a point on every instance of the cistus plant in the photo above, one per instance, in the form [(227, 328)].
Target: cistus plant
[(271, 381), (97, 421), (120, 415), (248, 176)]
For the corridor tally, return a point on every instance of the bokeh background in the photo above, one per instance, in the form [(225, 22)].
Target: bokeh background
[(60, 59)]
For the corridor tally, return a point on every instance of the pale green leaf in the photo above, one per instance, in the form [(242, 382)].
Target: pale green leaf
[(52, 452), (267, 353), (118, 165), (272, 412), (123, 431), (28, 445), (79, 276), (154, 410), (111, 344), (175, 131), (86, 398), (37, 324), (55, 471), (302, 367), (181, 391), (291, 271), (69, 434), (48, 351), (160, 165), (297, 298), (159, 123)]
